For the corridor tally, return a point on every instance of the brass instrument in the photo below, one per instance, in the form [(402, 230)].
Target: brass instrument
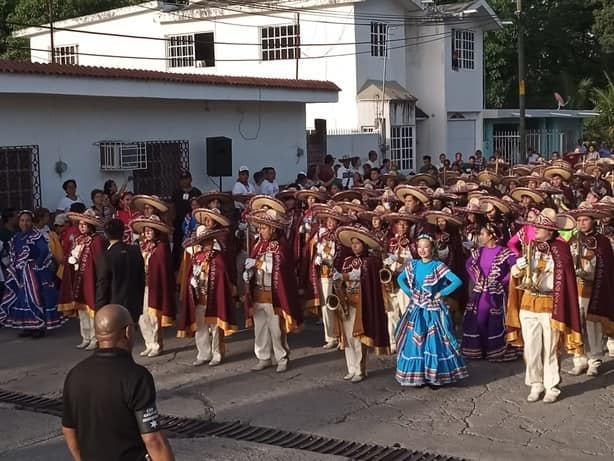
[(580, 272), (386, 277), (527, 280), (338, 301)]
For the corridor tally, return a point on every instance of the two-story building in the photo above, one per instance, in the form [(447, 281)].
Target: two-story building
[(410, 73)]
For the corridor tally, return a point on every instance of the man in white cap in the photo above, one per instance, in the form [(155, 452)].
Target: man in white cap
[(242, 186)]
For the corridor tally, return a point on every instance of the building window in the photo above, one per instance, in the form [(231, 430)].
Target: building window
[(402, 147), (191, 50), (68, 54), (20, 177), (165, 161), (463, 50), (122, 156), (280, 42), (379, 32)]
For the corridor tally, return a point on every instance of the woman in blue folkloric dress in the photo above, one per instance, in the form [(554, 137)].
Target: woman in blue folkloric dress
[(30, 297), (427, 351)]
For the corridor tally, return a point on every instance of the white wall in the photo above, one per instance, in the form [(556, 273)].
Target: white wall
[(66, 127), (353, 144), (465, 88)]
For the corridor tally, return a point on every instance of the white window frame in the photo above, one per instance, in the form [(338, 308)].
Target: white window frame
[(280, 42), (402, 146), (122, 156), (379, 36), (181, 51), (464, 46), (66, 54)]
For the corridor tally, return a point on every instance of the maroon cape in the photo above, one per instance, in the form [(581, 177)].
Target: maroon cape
[(456, 262), (285, 292), (161, 283), (220, 306), (78, 288), (601, 307)]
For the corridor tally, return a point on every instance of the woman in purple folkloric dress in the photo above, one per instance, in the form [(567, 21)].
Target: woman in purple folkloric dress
[(484, 323)]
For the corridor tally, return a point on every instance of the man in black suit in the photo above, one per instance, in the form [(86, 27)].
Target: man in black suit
[(120, 272)]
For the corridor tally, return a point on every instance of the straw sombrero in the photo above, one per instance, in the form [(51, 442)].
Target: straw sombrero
[(403, 191), (517, 194), (139, 202), (402, 215), (488, 175), (205, 199), (547, 188), (88, 216), (334, 212), (506, 180), (521, 170), (496, 202), (202, 237), (355, 206), (552, 171), (287, 194), (606, 203), (347, 196), (319, 193), (213, 213), (588, 209), (415, 180), (270, 217), (367, 216), (562, 164), (432, 216), (259, 202), (443, 195), (345, 234), (548, 219), (474, 206), (463, 187), (138, 225), (449, 177), (535, 176)]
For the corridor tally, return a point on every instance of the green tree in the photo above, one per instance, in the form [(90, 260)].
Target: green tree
[(602, 127)]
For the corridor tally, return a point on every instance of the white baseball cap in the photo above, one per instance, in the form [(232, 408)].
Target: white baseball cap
[(243, 168)]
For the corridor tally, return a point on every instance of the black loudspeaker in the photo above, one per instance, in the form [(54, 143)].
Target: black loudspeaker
[(219, 156)]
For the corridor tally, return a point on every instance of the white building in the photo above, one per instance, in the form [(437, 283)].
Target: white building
[(431, 56), (93, 124)]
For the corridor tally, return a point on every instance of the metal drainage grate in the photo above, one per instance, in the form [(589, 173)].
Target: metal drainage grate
[(188, 427)]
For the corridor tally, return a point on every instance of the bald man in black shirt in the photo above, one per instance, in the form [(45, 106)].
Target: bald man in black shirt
[(110, 402)]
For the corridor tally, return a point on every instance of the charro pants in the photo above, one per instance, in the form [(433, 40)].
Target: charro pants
[(540, 351), (592, 334), (208, 338), (86, 324), (149, 325), (398, 301), (355, 352), (328, 316), (269, 339)]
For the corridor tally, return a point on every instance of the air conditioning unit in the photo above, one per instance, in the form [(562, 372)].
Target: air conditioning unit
[(122, 156)]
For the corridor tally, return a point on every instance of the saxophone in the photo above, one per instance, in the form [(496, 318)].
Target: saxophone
[(580, 272), (339, 300)]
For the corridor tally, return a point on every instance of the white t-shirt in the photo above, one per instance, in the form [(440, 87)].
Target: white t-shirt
[(240, 188), (269, 188), (371, 164), (346, 175), (66, 202)]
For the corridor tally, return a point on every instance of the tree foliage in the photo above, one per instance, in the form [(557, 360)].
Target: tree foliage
[(602, 127)]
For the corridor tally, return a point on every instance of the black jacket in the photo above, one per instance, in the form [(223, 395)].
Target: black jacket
[(120, 274)]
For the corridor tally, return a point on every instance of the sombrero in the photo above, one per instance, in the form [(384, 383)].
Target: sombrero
[(334, 212), (392, 174), (402, 215), (355, 206), (138, 225), (479, 194), (287, 194), (442, 194), (594, 170), (139, 202), (449, 177), (404, 190), (562, 164), (606, 202), (205, 236), (259, 202), (463, 187), (366, 191), (548, 219), (347, 196), (432, 216), (270, 217), (415, 180), (379, 211), (552, 171), (588, 209), (88, 216), (535, 176), (547, 188), (208, 197), (213, 213), (345, 234), (318, 192), (488, 175), (496, 202), (474, 206), (517, 194), (521, 170), (506, 180)]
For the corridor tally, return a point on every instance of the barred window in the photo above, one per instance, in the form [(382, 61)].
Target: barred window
[(463, 50), (379, 32), (280, 42), (402, 147), (191, 50), (20, 177), (68, 54)]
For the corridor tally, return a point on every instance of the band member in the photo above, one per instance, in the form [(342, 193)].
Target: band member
[(416, 201), (360, 306), (427, 349), (484, 323), (498, 213), (475, 218), (126, 213), (525, 234), (374, 220), (398, 254), (594, 264), (328, 254), (557, 176), (149, 205), (271, 300), (160, 290), (543, 306), (29, 302), (207, 309), (78, 287)]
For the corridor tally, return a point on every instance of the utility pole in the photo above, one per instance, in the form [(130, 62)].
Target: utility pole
[(50, 6), (522, 126)]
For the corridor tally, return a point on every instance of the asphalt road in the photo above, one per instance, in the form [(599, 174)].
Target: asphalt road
[(486, 417)]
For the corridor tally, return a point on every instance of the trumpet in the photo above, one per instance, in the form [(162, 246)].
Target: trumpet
[(334, 302), (527, 280), (580, 272), (386, 278)]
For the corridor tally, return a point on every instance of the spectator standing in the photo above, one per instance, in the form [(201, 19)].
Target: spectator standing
[(103, 212), (459, 164), (70, 188), (242, 186), (182, 199), (269, 185), (326, 172), (428, 167), (385, 168), (345, 173), (372, 162), (110, 402), (480, 162)]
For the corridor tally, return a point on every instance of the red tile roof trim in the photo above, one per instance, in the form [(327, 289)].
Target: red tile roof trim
[(65, 70)]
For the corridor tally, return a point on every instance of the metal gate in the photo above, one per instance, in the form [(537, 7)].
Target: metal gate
[(20, 183), (543, 141), (165, 161)]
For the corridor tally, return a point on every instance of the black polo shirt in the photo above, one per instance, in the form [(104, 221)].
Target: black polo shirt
[(110, 401)]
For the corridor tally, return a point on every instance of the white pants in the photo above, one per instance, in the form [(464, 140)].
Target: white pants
[(611, 345), (241, 257), (86, 323), (592, 334), (328, 316), (398, 301), (149, 325), (268, 335), (540, 351), (207, 337), (355, 353)]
